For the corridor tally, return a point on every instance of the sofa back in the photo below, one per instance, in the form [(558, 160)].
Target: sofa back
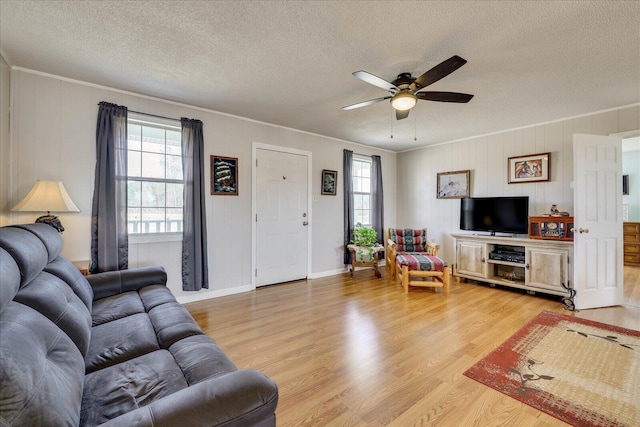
[(45, 318)]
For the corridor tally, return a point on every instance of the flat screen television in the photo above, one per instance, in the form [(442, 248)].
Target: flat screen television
[(495, 214)]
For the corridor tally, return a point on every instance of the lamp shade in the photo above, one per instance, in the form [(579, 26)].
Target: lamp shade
[(47, 196), (404, 101)]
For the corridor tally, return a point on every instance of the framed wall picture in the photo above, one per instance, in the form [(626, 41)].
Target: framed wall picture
[(454, 185), (224, 176), (329, 182), (530, 168)]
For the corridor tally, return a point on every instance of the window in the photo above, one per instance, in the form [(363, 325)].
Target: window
[(154, 182), (361, 175)]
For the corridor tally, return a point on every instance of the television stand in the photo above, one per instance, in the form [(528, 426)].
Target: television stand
[(532, 265)]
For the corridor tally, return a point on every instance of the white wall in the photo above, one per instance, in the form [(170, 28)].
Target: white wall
[(54, 139), (5, 88), (486, 157)]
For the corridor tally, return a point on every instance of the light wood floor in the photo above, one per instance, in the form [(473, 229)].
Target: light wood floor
[(359, 352)]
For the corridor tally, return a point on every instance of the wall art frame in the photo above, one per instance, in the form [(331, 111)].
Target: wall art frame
[(329, 182), (529, 168), (224, 176), (454, 185)]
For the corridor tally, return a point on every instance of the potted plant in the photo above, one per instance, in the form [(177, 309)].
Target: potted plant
[(366, 239)]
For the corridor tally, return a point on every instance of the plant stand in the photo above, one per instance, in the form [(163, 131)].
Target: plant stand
[(367, 262)]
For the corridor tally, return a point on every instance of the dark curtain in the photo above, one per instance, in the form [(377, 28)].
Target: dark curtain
[(377, 200), (109, 239), (195, 270), (347, 165)]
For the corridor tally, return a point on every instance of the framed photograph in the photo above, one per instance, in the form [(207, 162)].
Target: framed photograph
[(454, 185), (329, 182), (530, 168), (224, 176)]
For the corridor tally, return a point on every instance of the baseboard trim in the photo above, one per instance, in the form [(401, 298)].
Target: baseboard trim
[(205, 295), (327, 273)]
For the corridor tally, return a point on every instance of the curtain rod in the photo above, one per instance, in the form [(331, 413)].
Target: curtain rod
[(363, 155), (154, 115), (151, 115)]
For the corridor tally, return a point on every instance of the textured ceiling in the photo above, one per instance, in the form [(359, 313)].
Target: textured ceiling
[(290, 63)]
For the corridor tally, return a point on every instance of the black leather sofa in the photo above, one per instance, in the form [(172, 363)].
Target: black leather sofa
[(111, 349)]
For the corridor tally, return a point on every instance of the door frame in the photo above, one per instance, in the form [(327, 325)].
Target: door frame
[(254, 208), (623, 135)]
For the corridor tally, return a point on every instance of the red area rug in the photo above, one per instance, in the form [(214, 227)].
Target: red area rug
[(582, 372)]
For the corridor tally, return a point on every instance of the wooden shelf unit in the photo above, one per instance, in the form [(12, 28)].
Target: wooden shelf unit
[(545, 266), (631, 242)]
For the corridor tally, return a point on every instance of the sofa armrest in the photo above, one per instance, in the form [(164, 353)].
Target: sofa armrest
[(116, 282), (241, 398)]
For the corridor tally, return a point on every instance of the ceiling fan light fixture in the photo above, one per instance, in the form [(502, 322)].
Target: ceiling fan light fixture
[(404, 101)]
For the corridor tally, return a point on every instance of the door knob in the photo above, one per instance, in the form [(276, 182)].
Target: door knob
[(579, 230), (305, 223)]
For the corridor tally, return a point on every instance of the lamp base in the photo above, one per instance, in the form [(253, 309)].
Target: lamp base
[(51, 220)]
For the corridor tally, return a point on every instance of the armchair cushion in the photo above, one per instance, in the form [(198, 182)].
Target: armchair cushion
[(409, 240), (421, 262)]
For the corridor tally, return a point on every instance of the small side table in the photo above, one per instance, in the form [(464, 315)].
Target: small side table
[(83, 266), (377, 250)]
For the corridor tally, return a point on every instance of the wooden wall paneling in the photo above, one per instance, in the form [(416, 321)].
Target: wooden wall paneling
[(606, 123), (479, 171), (5, 142), (497, 164), (582, 125), (629, 119)]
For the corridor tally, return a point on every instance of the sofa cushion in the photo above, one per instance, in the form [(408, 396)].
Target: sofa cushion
[(10, 274), (69, 273), (172, 322), (41, 371), (54, 298), (200, 359), (27, 250), (124, 387), (116, 307), (155, 295), (120, 340), (409, 240), (48, 235)]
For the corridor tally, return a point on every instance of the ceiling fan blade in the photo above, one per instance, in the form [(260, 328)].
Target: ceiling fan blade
[(375, 80), (402, 114), (445, 96), (441, 70), (365, 103)]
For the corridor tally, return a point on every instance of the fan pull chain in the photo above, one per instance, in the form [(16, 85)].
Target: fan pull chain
[(415, 126), (391, 126)]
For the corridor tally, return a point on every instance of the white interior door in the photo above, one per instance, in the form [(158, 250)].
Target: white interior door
[(281, 217), (597, 199)]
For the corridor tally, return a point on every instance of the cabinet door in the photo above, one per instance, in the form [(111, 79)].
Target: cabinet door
[(471, 259), (547, 268)]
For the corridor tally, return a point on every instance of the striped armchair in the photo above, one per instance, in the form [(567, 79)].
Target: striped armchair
[(410, 256)]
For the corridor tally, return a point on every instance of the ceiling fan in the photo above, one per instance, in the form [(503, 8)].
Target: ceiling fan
[(404, 91)]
